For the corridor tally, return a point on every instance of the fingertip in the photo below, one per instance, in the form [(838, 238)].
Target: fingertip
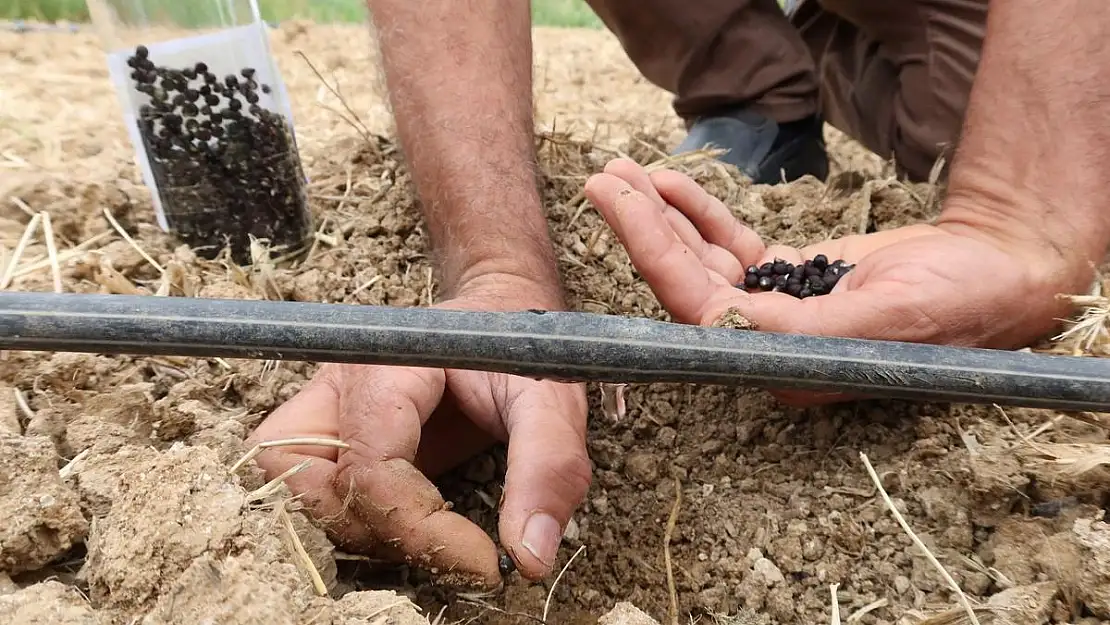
[(622, 166), (548, 476)]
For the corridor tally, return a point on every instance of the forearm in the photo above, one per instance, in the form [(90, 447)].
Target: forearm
[(460, 82), (1031, 166)]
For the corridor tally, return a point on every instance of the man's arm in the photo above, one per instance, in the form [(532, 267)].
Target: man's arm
[(1031, 168), (460, 81)]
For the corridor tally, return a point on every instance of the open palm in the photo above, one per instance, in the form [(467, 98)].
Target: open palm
[(919, 283)]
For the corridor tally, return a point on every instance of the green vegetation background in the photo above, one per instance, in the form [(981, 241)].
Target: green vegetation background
[(567, 13)]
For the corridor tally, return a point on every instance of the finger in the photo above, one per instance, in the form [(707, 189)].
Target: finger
[(713, 257), (677, 277), (311, 413), (637, 177), (314, 412), (548, 472), (381, 417), (716, 223)]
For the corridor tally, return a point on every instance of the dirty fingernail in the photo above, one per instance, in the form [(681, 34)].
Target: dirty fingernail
[(541, 537)]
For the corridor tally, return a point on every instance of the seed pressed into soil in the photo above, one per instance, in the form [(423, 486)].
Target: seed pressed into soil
[(816, 276), (226, 168)]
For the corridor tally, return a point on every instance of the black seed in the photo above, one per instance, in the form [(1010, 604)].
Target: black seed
[(766, 283), (217, 131), (505, 564), (204, 134), (752, 270), (266, 89), (212, 100), (751, 281), (179, 100), (234, 104), (817, 285), (210, 78), (142, 52), (247, 72), (133, 62), (200, 68), (766, 270), (251, 97), (805, 292), (813, 271), (781, 283), (231, 81), (147, 89), (217, 118), (189, 73), (218, 88), (256, 110), (136, 75), (821, 261), (781, 267), (830, 280), (794, 288)]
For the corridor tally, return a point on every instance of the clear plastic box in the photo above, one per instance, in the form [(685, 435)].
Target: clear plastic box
[(210, 120)]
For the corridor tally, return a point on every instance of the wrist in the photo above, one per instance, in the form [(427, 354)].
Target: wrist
[(1056, 249), (507, 291)]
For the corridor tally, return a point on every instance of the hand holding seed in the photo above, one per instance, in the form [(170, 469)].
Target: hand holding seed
[(405, 426), (919, 283)]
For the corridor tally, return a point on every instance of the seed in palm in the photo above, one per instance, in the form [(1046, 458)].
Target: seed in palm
[(814, 277)]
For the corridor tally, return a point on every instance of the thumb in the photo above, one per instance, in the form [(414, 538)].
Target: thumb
[(548, 471)]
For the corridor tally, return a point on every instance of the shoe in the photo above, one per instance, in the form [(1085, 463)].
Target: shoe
[(766, 151)]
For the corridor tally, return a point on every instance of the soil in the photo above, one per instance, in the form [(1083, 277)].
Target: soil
[(117, 503)]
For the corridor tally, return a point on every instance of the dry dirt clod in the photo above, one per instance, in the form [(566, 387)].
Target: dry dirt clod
[(9, 411), (377, 606), (624, 613), (238, 590), (166, 511), (47, 603), (1026, 605), (40, 518), (1079, 559), (733, 320)]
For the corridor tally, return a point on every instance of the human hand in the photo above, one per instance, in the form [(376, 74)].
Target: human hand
[(921, 283), (407, 425)]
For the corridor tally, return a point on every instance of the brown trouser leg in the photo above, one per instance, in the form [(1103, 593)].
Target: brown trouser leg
[(894, 74), (716, 54)]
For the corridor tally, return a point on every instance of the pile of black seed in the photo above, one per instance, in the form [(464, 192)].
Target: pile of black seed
[(226, 167), (814, 277)]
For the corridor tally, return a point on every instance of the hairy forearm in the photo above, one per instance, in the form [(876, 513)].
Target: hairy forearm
[(1031, 167), (459, 75)]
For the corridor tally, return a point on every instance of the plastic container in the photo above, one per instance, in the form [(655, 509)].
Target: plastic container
[(210, 121)]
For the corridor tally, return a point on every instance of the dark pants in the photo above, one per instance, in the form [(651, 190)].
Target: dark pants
[(893, 74)]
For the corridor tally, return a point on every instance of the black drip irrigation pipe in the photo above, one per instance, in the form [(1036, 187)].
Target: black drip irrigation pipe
[(567, 346)]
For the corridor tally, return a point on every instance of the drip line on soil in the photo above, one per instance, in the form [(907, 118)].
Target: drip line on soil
[(568, 346)]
